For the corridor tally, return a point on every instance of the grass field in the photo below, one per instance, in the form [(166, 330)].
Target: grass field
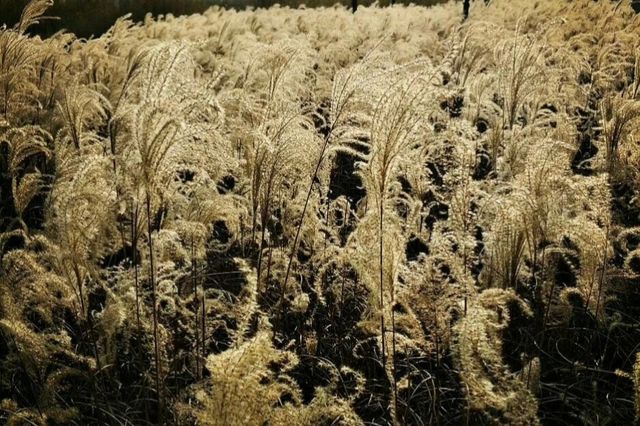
[(88, 18), (316, 217)]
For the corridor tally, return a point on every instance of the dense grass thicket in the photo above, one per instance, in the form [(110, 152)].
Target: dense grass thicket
[(86, 18), (313, 217)]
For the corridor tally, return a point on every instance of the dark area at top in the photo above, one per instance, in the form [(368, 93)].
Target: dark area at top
[(93, 17)]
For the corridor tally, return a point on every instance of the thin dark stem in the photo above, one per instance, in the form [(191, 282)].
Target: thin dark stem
[(156, 343), (264, 216), (134, 252), (89, 316), (393, 357), (203, 320), (602, 274), (304, 211), (381, 252), (194, 289), (269, 264)]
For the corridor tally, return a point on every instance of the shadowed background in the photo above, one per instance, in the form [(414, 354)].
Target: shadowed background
[(94, 17)]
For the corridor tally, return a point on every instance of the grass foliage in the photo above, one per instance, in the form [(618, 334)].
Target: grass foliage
[(308, 216)]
